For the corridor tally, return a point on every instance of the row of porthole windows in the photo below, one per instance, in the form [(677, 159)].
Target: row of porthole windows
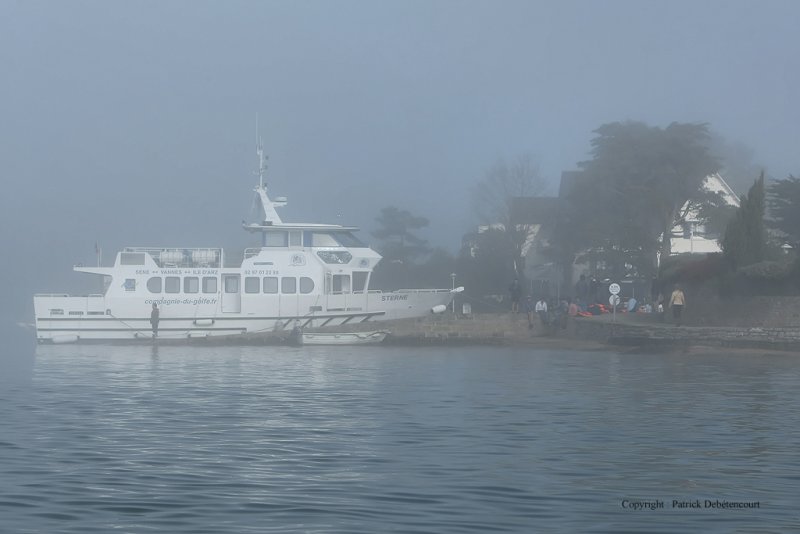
[(252, 284), (269, 284), (172, 284)]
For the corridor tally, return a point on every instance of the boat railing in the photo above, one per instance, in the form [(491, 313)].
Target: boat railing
[(179, 257), (66, 295), (61, 305), (426, 291)]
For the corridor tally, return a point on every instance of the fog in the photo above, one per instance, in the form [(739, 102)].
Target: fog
[(133, 123)]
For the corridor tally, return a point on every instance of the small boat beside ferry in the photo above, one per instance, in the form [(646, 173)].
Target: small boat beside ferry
[(306, 275), (342, 338)]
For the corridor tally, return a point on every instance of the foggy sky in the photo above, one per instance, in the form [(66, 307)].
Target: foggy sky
[(133, 123)]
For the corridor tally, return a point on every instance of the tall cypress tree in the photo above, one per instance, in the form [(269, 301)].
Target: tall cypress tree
[(784, 207), (745, 237)]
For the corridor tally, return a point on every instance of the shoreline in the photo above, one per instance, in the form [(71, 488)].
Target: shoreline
[(630, 334), (634, 334)]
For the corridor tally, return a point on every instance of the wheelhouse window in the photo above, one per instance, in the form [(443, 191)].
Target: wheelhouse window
[(172, 284), (270, 284), (341, 283), (295, 238), (154, 284), (335, 256), (347, 239), (191, 284), (331, 239), (319, 239), (251, 284), (209, 284), (130, 284), (288, 285), (231, 284), (278, 238), (306, 285), (360, 281)]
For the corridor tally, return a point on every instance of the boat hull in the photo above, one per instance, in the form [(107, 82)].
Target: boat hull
[(130, 321)]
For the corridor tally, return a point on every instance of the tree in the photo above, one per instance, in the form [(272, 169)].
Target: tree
[(745, 239), (784, 208), (632, 191), (494, 195), (486, 263), (395, 230), (714, 212)]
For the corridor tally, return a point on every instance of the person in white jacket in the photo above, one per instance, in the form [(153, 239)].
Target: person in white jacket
[(541, 310)]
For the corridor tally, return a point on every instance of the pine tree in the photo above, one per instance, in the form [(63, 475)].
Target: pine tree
[(745, 237), (784, 208)]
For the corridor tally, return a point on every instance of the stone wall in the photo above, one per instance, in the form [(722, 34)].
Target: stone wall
[(764, 312), (639, 330), (654, 335)]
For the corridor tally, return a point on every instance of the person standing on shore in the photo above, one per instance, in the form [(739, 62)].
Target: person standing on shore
[(529, 309), (677, 301), (541, 311), (516, 292)]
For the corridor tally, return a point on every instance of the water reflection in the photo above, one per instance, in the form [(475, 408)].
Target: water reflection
[(193, 439)]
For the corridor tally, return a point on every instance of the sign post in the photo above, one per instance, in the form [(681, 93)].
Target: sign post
[(614, 300)]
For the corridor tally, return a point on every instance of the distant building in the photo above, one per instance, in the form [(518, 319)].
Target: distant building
[(469, 242), (539, 215), (691, 235)]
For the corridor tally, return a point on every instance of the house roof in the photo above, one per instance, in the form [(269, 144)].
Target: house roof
[(570, 180), (715, 182)]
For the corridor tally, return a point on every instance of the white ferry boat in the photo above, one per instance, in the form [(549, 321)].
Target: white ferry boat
[(302, 275)]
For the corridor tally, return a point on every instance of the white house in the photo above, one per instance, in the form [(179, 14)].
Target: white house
[(691, 236)]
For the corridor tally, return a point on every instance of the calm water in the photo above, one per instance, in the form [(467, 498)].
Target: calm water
[(245, 439)]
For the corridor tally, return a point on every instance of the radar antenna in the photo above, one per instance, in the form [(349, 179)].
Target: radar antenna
[(271, 216)]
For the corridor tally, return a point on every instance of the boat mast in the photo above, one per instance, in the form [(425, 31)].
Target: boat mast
[(270, 215), (262, 163)]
